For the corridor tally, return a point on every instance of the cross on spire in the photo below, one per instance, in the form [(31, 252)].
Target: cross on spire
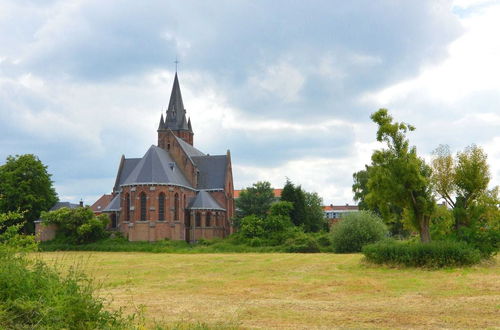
[(176, 62)]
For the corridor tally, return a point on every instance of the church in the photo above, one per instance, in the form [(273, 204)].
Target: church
[(175, 191)]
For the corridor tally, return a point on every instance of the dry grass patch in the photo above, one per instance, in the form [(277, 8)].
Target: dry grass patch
[(292, 290)]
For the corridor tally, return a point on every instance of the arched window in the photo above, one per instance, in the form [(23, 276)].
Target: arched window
[(176, 207), (208, 220), (198, 219), (113, 220), (143, 206), (127, 207), (161, 207)]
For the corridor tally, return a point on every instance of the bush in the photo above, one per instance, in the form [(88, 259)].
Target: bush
[(77, 226), (356, 230), (486, 240), (436, 254), (302, 243), (32, 295)]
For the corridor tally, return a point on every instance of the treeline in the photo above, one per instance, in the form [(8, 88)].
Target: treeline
[(402, 188), (265, 220)]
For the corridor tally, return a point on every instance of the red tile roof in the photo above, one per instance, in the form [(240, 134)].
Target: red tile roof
[(277, 193), (101, 203), (340, 208)]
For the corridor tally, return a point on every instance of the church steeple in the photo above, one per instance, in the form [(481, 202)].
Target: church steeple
[(176, 115)]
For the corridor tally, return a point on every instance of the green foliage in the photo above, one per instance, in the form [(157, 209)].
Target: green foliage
[(255, 200), (441, 223), (307, 209), (272, 230), (10, 237), (437, 254), (302, 243), (295, 195), (398, 178), (78, 225), (32, 295), (391, 214), (356, 230), (252, 226), (315, 217), (25, 185)]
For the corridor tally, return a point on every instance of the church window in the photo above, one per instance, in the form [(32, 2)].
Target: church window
[(161, 207), (176, 207), (127, 207), (198, 219), (113, 221), (143, 206), (208, 220)]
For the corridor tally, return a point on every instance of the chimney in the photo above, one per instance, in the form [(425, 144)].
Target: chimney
[(81, 202)]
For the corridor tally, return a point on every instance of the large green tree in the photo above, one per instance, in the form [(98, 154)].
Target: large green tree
[(26, 186), (389, 211), (255, 200), (398, 176), (295, 195), (316, 220)]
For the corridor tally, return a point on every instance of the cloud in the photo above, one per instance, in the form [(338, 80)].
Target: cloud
[(287, 86)]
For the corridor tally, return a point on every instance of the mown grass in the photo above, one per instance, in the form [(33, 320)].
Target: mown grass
[(290, 290)]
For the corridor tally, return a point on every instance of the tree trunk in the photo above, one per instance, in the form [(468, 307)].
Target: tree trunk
[(425, 233)]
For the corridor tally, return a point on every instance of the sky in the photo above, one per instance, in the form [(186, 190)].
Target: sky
[(287, 86)]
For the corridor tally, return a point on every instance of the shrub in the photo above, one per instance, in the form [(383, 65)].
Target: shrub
[(32, 295), (436, 254), (486, 240), (356, 230), (78, 225), (302, 243)]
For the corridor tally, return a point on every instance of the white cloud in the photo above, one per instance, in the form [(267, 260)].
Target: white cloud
[(281, 80)]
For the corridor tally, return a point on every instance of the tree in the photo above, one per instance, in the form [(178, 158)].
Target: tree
[(315, 216), (360, 189), (391, 213), (255, 200), (296, 196), (26, 186), (398, 176), (461, 182)]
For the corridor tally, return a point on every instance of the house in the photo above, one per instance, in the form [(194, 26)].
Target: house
[(174, 191), (333, 213), (101, 203), (276, 192)]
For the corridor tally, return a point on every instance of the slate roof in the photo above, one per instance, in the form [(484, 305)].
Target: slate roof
[(156, 167), (60, 205), (212, 171), (114, 205), (124, 171), (189, 149), (176, 114), (203, 201)]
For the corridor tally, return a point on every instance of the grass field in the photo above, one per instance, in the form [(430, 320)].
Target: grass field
[(291, 290)]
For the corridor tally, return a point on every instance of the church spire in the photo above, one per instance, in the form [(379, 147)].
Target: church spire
[(176, 114), (176, 117), (162, 123)]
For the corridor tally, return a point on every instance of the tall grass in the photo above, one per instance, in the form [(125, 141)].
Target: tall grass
[(35, 296), (228, 245)]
